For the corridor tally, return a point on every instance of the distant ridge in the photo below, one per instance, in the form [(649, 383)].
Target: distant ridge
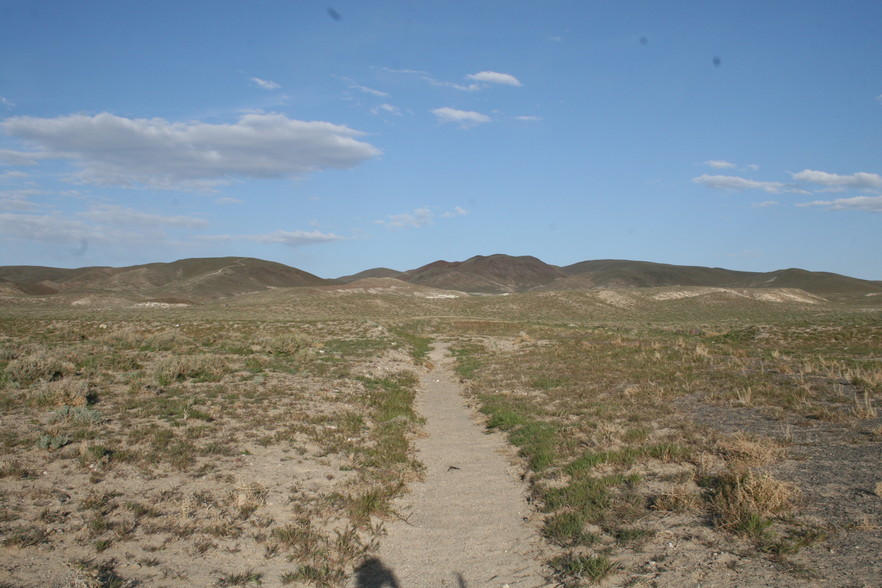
[(200, 278), (617, 273), (222, 277), (486, 274)]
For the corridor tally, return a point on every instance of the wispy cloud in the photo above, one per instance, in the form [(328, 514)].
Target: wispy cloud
[(53, 228), (735, 183), (6, 102), (18, 199), (352, 84), (289, 238), (13, 175), (865, 203), (479, 81), (227, 200), (494, 77), (121, 215), (457, 211), (420, 217), (766, 204), (12, 157), (529, 118), (857, 181), (266, 84), (387, 108), (464, 118), (113, 150), (719, 164)]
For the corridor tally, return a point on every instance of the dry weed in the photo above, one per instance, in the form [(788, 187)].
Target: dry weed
[(749, 451), (680, 498), (64, 392), (40, 365), (863, 406), (743, 501)]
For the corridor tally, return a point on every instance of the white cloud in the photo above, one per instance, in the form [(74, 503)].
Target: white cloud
[(296, 238), (766, 204), (464, 118), (6, 102), (457, 211), (719, 164), (11, 157), (409, 220), (865, 203), (227, 200), (367, 90), (13, 175), (420, 217), (18, 199), (860, 180), (52, 228), (290, 238), (738, 184), (480, 81), (120, 215), (386, 108), (113, 150), (266, 84), (493, 77), (529, 118)]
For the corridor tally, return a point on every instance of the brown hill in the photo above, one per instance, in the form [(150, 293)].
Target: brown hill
[(617, 273), (377, 272), (214, 278), (486, 274), (205, 278)]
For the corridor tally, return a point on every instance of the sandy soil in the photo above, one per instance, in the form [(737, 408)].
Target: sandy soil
[(468, 523)]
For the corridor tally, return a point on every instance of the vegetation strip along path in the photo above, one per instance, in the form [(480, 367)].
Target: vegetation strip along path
[(468, 523)]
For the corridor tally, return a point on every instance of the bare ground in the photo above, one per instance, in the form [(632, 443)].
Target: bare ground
[(468, 523)]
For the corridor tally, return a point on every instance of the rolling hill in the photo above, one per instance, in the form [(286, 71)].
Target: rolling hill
[(203, 278), (206, 279)]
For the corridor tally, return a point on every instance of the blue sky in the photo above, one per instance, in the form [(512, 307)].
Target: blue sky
[(339, 136)]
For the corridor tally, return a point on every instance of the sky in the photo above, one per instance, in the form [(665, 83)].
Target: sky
[(344, 135)]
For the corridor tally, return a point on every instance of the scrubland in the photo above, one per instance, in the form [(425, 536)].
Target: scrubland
[(264, 441)]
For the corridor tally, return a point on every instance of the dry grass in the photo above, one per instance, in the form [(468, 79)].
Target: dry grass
[(744, 502), (179, 419)]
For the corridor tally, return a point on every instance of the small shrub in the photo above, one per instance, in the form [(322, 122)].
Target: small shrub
[(573, 569), (81, 415), (203, 368), (41, 365), (289, 344), (744, 502), (568, 530), (63, 393), (52, 442)]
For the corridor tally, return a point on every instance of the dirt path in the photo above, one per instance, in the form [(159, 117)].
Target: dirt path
[(467, 523)]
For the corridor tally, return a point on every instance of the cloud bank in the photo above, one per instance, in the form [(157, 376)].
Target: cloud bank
[(114, 150)]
